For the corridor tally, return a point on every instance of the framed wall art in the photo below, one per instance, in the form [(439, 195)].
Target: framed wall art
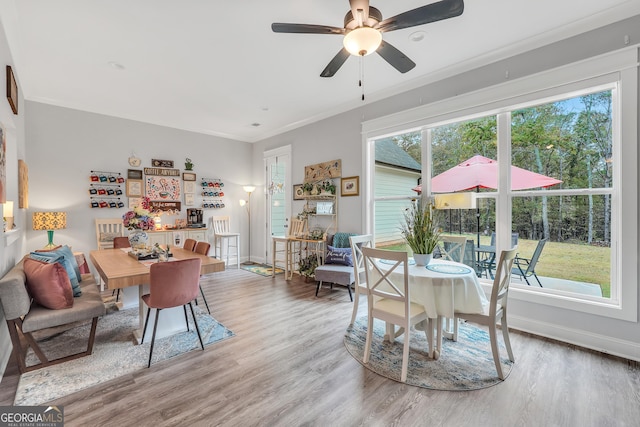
[(188, 176), (12, 90), (298, 192), (189, 187), (163, 188), (350, 186), (134, 188), (134, 174)]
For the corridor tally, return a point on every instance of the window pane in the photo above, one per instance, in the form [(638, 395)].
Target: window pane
[(576, 257), (570, 140), (460, 142), (389, 216)]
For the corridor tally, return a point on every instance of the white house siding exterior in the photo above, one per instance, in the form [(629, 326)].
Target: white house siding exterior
[(392, 182)]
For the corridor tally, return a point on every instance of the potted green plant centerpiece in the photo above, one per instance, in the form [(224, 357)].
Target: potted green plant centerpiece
[(420, 231)]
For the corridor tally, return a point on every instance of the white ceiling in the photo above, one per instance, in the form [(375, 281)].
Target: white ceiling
[(217, 68)]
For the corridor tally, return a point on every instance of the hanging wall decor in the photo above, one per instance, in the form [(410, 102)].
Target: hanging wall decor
[(320, 171), (23, 185), (163, 188), (12, 90)]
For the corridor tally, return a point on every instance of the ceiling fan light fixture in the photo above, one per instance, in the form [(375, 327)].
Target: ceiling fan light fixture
[(362, 41)]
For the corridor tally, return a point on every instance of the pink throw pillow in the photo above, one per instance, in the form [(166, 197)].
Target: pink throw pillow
[(48, 284)]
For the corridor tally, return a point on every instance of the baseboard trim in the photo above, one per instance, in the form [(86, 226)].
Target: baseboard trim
[(602, 343)]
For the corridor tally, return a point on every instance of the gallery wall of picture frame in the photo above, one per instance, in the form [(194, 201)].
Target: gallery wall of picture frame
[(212, 191), (105, 189)]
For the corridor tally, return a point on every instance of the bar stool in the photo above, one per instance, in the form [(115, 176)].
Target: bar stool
[(222, 236)]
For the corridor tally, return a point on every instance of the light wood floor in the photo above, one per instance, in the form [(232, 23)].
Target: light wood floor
[(287, 366)]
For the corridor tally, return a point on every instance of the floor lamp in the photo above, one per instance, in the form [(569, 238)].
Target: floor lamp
[(249, 189)]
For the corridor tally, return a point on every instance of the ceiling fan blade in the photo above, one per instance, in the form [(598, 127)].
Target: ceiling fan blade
[(423, 15), (278, 27), (394, 57), (360, 5), (335, 63)]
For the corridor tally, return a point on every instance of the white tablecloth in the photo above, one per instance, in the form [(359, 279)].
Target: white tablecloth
[(442, 293)]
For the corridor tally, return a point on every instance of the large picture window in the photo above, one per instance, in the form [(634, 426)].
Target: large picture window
[(548, 178)]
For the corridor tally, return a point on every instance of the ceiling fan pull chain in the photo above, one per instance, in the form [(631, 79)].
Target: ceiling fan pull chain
[(361, 81)]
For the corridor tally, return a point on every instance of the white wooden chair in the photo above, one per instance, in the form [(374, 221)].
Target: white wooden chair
[(497, 310), (388, 299), (452, 247), (360, 283), (224, 239), (108, 229)]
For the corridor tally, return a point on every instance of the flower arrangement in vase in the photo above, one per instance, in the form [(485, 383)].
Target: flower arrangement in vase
[(420, 231), (138, 221)]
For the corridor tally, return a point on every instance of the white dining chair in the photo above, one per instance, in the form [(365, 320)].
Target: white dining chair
[(388, 298), (497, 310), (108, 229), (360, 283)]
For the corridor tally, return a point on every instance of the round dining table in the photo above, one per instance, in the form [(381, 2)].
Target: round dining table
[(443, 288)]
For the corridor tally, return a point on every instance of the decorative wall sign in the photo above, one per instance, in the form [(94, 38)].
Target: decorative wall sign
[(189, 199), (134, 188), (162, 163), (320, 171), (134, 201), (164, 206), (12, 90), (189, 187), (134, 174), (298, 192), (350, 186), (188, 176), (23, 185), (161, 172), (163, 188)]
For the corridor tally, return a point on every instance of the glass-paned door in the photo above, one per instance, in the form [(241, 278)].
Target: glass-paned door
[(278, 195)]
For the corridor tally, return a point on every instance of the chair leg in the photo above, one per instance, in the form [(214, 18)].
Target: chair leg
[(505, 336), (195, 321), (186, 320), (318, 286), (153, 337), (536, 276), (350, 294), (493, 330), (146, 322), (367, 343), (204, 299), (356, 303), (405, 354)]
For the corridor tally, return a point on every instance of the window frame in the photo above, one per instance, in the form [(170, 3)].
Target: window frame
[(617, 70)]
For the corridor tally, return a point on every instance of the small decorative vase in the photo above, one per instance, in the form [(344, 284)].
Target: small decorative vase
[(138, 239), (422, 259)]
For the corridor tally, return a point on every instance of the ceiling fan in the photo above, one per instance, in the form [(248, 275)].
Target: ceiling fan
[(363, 28)]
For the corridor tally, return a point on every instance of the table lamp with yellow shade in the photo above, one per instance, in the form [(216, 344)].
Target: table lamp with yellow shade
[(49, 221)]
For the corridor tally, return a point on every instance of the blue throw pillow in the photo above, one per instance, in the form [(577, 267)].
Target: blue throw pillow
[(68, 254), (342, 256), (55, 256)]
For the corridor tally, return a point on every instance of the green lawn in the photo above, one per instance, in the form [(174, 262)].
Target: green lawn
[(570, 261)]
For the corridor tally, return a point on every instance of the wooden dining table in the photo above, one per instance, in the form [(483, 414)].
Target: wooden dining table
[(119, 270)]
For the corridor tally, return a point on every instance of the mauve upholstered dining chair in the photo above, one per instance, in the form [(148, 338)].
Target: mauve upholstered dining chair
[(172, 284)]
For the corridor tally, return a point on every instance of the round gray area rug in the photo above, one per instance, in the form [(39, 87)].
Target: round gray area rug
[(466, 364)]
